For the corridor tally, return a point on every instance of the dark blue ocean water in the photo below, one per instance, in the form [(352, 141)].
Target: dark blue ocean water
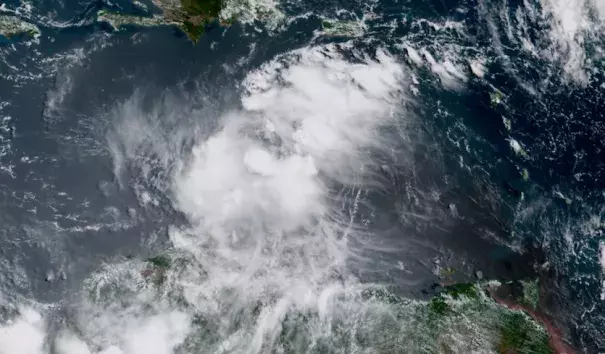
[(61, 177)]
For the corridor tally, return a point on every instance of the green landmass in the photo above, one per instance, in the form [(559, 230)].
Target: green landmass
[(118, 20), (161, 261), (193, 16), (461, 318), (337, 28), (457, 291), (518, 148), (327, 24), (496, 97), (522, 336), (160, 265), (531, 293), (438, 305), (463, 313), (12, 26)]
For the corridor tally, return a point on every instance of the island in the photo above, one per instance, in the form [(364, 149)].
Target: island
[(341, 28), (194, 16), (191, 16), (12, 26)]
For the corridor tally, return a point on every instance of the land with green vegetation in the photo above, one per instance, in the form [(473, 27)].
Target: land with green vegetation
[(484, 316), (158, 266), (194, 15), (191, 16), (337, 28), (475, 317), (464, 317), (118, 20), (12, 26)]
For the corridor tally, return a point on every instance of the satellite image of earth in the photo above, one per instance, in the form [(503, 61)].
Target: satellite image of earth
[(302, 176)]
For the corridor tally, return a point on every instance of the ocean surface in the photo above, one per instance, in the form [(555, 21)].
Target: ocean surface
[(435, 141)]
